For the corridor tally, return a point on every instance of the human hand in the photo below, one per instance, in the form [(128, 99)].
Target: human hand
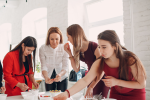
[(3, 89), (62, 96), (110, 81), (67, 48), (58, 78), (22, 86), (89, 93), (48, 80), (36, 85)]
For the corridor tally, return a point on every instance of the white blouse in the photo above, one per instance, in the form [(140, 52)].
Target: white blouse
[(51, 59)]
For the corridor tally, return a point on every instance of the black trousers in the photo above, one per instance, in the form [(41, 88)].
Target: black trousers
[(57, 85)]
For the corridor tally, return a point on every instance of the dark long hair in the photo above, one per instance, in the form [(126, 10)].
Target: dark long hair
[(126, 58), (29, 42)]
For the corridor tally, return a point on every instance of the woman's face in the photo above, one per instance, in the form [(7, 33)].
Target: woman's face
[(106, 49), (54, 40), (70, 38), (27, 50)]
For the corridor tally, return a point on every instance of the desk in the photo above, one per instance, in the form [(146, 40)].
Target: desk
[(19, 97)]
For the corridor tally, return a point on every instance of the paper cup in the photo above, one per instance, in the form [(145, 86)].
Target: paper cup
[(3, 96), (29, 97), (35, 92)]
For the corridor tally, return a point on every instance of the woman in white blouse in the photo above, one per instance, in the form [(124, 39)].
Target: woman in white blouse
[(54, 61)]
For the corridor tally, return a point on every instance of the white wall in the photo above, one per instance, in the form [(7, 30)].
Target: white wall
[(137, 13), (62, 13)]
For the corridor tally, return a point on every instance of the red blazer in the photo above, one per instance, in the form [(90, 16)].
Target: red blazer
[(11, 68)]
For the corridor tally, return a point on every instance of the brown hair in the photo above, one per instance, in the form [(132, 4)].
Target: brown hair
[(54, 30), (126, 57), (29, 42), (77, 34)]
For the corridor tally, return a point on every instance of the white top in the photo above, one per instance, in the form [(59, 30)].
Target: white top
[(51, 59)]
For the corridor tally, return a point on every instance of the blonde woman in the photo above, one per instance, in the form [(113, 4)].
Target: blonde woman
[(87, 52), (54, 61)]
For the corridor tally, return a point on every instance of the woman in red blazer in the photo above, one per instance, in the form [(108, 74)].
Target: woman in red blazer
[(18, 69)]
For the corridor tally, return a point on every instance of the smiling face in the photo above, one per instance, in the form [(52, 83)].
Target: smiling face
[(106, 49), (54, 40), (27, 50), (70, 38)]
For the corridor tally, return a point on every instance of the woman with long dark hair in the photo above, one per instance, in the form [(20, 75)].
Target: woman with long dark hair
[(18, 67), (125, 73)]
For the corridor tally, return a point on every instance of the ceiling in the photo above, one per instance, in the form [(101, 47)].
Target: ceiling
[(9, 4)]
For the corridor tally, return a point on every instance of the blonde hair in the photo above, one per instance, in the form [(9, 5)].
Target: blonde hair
[(54, 30), (78, 35)]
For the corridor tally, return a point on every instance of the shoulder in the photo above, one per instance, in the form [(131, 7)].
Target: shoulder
[(11, 55), (44, 47), (130, 58)]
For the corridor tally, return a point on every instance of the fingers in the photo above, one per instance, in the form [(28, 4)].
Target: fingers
[(58, 78), (36, 85), (108, 77), (107, 82), (3, 89), (49, 81)]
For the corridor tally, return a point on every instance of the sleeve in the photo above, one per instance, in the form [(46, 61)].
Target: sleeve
[(1, 73), (42, 59), (65, 61), (8, 70)]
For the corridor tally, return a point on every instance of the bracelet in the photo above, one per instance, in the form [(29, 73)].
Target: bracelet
[(68, 93), (70, 57)]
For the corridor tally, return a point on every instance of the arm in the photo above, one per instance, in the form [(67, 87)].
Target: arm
[(82, 83), (8, 70), (43, 66), (76, 68), (65, 66), (31, 77), (96, 80), (45, 74), (43, 62), (91, 75), (140, 81)]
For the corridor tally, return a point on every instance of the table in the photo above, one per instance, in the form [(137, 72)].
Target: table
[(19, 97)]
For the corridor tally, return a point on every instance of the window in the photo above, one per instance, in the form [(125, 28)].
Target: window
[(104, 15)]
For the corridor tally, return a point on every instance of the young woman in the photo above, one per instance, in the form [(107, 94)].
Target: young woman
[(124, 71), (87, 52), (54, 61), (18, 67), (3, 89)]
